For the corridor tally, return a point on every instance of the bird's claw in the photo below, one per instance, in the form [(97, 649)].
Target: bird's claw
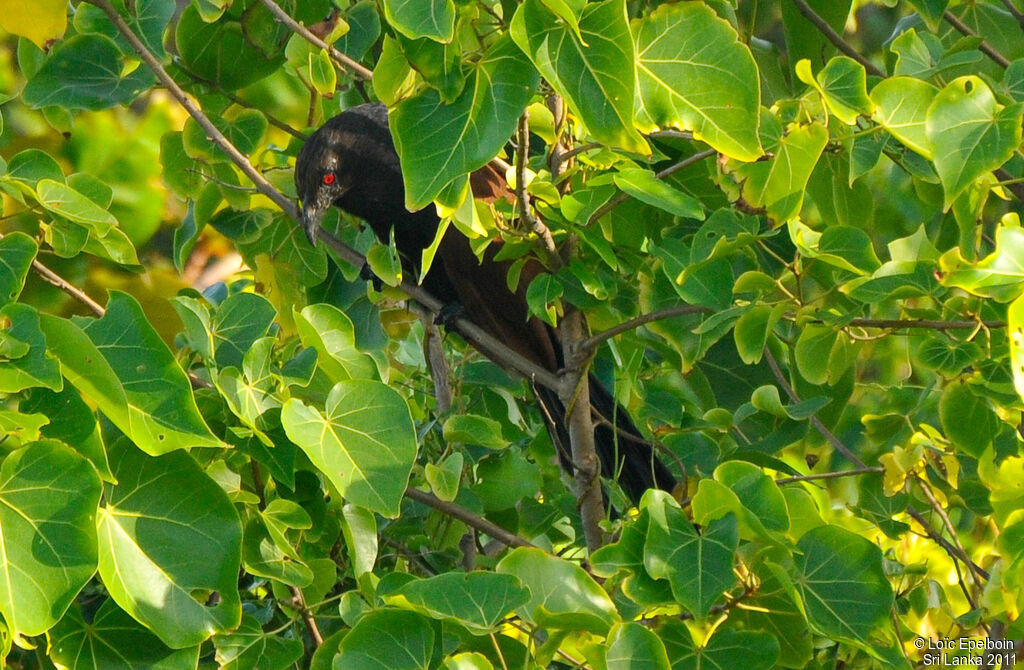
[(449, 313)]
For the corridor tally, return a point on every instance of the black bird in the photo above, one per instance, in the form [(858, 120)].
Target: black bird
[(351, 163)]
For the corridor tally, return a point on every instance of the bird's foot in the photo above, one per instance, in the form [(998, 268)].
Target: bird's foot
[(366, 274), (449, 313)]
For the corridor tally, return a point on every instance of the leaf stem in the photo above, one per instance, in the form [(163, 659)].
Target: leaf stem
[(468, 518)]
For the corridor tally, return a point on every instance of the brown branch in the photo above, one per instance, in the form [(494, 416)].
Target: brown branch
[(937, 506), (623, 197), (835, 38), (936, 536), (522, 197), (1016, 13), (51, 277), (597, 339), (986, 48), (830, 475), (923, 323), (272, 120), (814, 420), (341, 59), (468, 518), (574, 393)]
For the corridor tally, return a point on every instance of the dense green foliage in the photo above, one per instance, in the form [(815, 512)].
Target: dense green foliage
[(815, 206)]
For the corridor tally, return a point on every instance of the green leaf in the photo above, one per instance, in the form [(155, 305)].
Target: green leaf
[(967, 419), (364, 443), (758, 492), (72, 422), (240, 320), (727, 648), (970, 133), (778, 623), (84, 72), (901, 107), (1015, 330), (112, 639), (422, 18), (1000, 275), (242, 47), (752, 330), (778, 184), (627, 556), (562, 595), (438, 143), (17, 251), (286, 245), (848, 248), (48, 498), (359, 527), (595, 75), (631, 646), (249, 647), (477, 600), (843, 85), (695, 74), (673, 546), (69, 203), (121, 363), (329, 330), (409, 642), (804, 39), (169, 539), (947, 356), (31, 165), (842, 584), (474, 429), (445, 478), (36, 366), (322, 73), (645, 187), (265, 556)]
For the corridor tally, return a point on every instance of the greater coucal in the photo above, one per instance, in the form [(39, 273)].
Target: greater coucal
[(351, 162)]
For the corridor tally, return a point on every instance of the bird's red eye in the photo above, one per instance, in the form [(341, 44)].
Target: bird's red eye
[(329, 178)]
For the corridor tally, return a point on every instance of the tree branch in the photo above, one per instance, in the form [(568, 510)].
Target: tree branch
[(597, 339), (468, 518), (814, 420), (830, 475), (835, 38), (937, 506), (986, 48), (574, 393), (522, 197), (341, 59), (623, 197), (1016, 13)]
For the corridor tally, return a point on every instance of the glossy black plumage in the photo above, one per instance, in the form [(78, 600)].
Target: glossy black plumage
[(351, 163)]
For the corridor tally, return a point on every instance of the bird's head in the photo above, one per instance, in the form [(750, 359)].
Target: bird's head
[(321, 177), (345, 150)]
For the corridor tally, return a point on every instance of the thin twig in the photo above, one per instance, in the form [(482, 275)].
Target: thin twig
[(964, 29), (937, 506), (271, 119), (623, 197), (299, 603), (936, 536), (1016, 13), (522, 197), (468, 518), (830, 475), (51, 277), (924, 323), (835, 38), (341, 59), (597, 339), (814, 420)]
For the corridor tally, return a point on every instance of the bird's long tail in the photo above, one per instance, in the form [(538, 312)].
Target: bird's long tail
[(624, 454)]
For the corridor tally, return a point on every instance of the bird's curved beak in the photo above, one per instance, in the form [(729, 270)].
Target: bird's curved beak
[(311, 217)]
